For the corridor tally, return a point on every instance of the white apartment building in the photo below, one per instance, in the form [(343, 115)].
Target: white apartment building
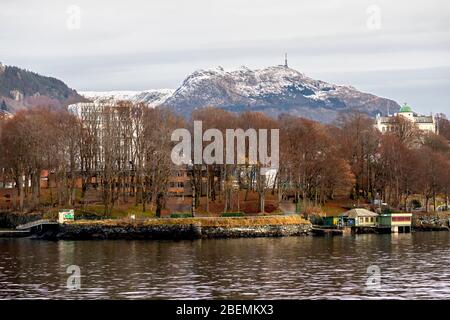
[(423, 123)]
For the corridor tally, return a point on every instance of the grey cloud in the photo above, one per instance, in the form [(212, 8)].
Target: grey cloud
[(149, 44)]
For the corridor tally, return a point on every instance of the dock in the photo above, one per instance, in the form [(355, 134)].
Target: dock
[(14, 233), (326, 231), (36, 224), (28, 229)]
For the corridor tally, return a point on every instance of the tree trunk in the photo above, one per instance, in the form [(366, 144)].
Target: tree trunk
[(21, 192)]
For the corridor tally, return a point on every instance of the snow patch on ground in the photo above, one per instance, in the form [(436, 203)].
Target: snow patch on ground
[(152, 97)]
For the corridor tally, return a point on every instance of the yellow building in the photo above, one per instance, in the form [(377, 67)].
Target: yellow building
[(359, 218)]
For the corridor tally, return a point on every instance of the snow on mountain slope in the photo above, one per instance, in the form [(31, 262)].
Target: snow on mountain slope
[(152, 98), (273, 90)]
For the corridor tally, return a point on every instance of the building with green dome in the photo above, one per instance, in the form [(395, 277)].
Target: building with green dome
[(406, 109), (389, 123)]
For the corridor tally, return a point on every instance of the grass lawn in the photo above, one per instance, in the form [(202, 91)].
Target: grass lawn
[(202, 221), (117, 212)]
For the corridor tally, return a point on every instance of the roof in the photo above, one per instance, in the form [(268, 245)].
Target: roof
[(397, 214), (388, 120), (417, 119), (358, 213), (405, 109), (424, 119)]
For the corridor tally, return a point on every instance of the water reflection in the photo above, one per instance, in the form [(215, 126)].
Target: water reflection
[(412, 266)]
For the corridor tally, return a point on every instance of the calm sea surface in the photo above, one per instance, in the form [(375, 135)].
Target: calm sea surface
[(413, 265)]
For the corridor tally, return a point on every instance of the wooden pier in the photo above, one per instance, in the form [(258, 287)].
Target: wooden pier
[(36, 224), (326, 231), (14, 233)]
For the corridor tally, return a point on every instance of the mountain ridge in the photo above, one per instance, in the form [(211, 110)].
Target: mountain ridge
[(22, 89), (273, 90), (151, 97)]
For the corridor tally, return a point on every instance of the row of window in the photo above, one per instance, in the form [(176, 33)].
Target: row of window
[(367, 219), (401, 219), (176, 184), (394, 219), (389, 129)]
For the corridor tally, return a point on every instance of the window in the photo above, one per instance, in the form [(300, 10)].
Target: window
[(401, 219)]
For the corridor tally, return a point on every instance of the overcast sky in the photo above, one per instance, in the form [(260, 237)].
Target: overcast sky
[(396, 49)]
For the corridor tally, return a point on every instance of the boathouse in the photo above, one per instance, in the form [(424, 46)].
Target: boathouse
[(359, 218), (395, 222), (362, 220)]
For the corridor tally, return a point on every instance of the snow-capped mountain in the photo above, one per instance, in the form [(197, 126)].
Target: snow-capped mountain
[(152, 98), (273, 90)]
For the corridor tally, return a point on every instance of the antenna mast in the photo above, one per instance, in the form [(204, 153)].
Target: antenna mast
[(285, 60)]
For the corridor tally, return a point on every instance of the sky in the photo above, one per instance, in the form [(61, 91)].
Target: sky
[(395, 49)]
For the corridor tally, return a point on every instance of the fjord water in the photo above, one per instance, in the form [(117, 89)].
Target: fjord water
[(413, 266)]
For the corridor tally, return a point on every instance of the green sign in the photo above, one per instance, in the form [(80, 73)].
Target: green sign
[(66, 215), (69, 215)]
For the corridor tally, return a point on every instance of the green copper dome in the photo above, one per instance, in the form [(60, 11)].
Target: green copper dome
[(405, 109)]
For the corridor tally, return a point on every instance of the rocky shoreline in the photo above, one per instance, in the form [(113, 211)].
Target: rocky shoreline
[(182, 230), (168, 232), (431, 223)]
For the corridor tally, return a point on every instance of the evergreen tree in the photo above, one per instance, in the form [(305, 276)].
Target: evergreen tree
[(3, 106)]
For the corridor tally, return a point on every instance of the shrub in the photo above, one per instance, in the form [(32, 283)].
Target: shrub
[(88, 215), (232, 214), (50, 215), (181, 215), (416, 204)]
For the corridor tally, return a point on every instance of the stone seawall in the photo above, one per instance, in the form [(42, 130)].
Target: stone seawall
[(431, 223), (169, 232), (256, 231)]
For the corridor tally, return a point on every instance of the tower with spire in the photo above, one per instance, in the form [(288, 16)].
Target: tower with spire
[(285, 61)]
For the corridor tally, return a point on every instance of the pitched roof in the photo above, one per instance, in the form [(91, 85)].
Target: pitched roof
[(359, 213)]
